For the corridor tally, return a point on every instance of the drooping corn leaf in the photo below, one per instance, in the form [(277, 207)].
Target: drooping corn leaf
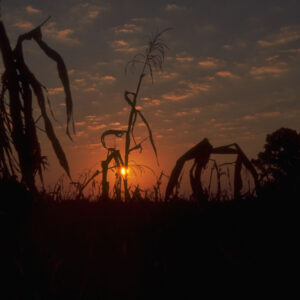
[(201, 150), (117, 133), (36, 34), (150, 134), (130, 102), (38, 91)]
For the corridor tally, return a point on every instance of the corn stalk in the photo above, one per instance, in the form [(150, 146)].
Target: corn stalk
[(18, 128), (153, 58), (200, 153)]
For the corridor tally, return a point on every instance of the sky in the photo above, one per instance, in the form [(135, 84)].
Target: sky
[(230, 74)]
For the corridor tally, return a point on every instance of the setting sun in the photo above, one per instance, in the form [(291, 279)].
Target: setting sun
[(124, 171)]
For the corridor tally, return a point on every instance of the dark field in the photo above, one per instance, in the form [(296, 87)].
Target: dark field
[(145, 250)]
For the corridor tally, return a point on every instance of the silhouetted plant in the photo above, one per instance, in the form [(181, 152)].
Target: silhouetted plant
[(18, 128), (200, 153), (151, 60), (279, 163)]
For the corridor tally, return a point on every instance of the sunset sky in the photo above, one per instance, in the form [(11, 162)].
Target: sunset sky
[(231, 73)]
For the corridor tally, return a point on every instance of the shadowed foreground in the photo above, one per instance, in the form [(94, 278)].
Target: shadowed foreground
[(110, 250)]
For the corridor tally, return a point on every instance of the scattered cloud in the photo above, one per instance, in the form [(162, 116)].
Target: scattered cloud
[(285, 35), (174, 7), (189, 112), (291, 51), (153, 102), (32, 10), (274, 70), (86, 12), (128, 28), (64, 35), (190, 89), (177, 95), (226, 74), (261, 115), (181, 114), (108, 78), (210, 62), (227, 47), (23, 25), (115, 124), (80, 80), (166, 75), (196, 110), (81, 123), (122, 46), (184, 57), (55, 91), (96, 127)]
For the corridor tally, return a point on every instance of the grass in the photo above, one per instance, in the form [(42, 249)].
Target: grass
[(141, 250)]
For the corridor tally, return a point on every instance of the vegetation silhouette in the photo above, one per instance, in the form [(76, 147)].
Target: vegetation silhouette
[(54, 249), (151, 60), (279, 164), (18, 128), (200, 153)]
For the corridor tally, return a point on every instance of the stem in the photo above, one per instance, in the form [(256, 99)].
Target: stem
[(127, 144)]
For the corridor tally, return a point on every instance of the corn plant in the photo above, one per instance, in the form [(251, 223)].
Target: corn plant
[(200, 153), (20, 150), (149, 61)]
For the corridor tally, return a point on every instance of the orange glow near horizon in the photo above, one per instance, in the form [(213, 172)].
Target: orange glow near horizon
[(124, 171)]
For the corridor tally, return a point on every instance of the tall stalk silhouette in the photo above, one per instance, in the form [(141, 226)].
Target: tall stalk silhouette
[(18, 128), (151, 60)]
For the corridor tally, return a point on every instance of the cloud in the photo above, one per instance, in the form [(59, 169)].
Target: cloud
[(181, 114), (32, 10), (64, 35), (226, 74), (197, 87), (173, 7), (184, 57), (128, 28), (122, 46), (81, 123), (24, 25), (285, 35), (153, 102), (210, 62), (166, 75), (96, 127), (192, 111), (108, 78), (268, 70), (79, 80), (55, 91), (291, 51), (227, 47), (257, 116), (86, 13), (191, 89), (177, 96)]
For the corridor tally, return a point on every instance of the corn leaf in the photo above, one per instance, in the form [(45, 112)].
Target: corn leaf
[(117, 133)]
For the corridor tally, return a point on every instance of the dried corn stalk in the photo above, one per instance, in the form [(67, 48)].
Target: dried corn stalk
[(153, 58), (200, 154), (18, 127)]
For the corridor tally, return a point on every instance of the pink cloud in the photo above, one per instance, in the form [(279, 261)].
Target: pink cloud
[(210, 62), (24, 25), (32, 10), (273, 70), (257, 116), (64, 35), (226, 74), (285, 35)]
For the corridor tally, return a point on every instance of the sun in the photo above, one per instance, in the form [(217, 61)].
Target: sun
[(124, 171)]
